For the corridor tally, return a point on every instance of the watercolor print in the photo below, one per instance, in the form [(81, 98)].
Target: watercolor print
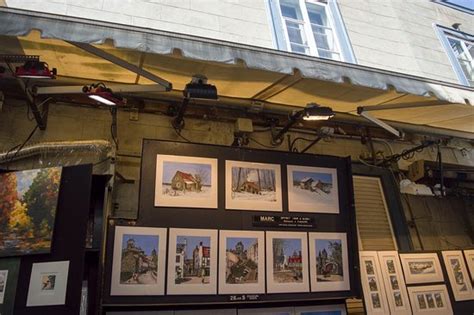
[(395, 287), (287, 262), (433, 300), (421, 268), (312, 189), (28, 202), (138, 261), (469, 255), (253, 186), (48, 283), (242, 262), (458, 275), (328, 262), (375, 298), (338, 309), (185, 181), (192, 261)]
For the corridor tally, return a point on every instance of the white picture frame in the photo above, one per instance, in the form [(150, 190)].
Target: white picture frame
[(192, 262), (469, 255), (287, 262), (375, 297), (431, 299), (185, 181), (244, 193), (149, 278), (421, 268), (458, 275), (395, 287), (312, 189), (48, 283), (338, 309), (251, 252), (325, 274), (3, 284)]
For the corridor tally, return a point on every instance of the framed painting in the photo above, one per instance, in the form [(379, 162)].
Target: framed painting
[(267, 311), (287, 262), (185, 181), (9, 269), (28, 204), (138, 266), (339, 309), (469, 255), (329, 264), (458, 275), (253, 186), (192, 261), (395, 287), (432, 300), (421, 268), (241, 262), (48, 284), (312, 189), (375, 297)]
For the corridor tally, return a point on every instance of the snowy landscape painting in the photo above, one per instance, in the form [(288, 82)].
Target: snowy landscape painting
[(186, 182), (253, 186), (312, 189)]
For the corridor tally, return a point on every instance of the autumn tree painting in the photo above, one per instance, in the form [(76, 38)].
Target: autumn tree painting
[(28, 202)]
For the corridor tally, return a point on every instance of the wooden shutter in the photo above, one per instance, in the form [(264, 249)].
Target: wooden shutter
[(373, 221)]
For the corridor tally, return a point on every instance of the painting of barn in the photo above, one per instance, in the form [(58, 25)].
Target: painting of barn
[(186, 181)]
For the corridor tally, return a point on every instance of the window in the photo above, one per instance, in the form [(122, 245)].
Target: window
[(462, 5), (460, 49), (310, 27)]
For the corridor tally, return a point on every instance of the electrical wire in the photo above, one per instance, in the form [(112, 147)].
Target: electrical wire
[(261, 144), (178, 133), (23, 144)]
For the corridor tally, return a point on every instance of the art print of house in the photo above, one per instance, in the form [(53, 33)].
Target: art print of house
[(185, 181)]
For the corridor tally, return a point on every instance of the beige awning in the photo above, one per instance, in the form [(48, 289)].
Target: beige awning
[(238, 71)]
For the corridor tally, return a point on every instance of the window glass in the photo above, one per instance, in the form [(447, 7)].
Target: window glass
[(322, 31), (464, 53)]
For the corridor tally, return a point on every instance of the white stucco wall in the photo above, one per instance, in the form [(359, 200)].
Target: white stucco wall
[(395, 35)]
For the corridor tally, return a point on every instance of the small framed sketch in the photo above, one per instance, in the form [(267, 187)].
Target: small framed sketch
[(329, 264), (432, 299), (469, 254), (3, 284), (312, 189), (458, 275), (185, 181), (241, 262), (253, 186), (192, 261), (395, 287), (372, 283), (48, 283), (139, 261), (421, 268), (339, 309), (287, 262)]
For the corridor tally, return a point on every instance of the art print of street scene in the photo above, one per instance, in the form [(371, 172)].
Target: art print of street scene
[(421, 267), (287, 260), (329, 265), (139, 260), (241, 260), (458, 275), (253, 184), (314, 188), (193, 260), (186, 180), (28, 202)]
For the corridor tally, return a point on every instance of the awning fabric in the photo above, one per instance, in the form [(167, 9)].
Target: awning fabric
[(238, 71)]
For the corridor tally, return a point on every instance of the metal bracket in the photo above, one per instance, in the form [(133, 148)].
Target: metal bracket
[(122, 63), (378, 122)]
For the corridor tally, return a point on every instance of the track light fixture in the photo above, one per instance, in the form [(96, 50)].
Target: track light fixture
[(198, 88), (100, 93), (312, 112), (35, 69)]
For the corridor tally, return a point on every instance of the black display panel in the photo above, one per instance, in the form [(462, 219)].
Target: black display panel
[(222, 219)]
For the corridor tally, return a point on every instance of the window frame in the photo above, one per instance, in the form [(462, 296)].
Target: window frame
[(335, 23), (443, 34)]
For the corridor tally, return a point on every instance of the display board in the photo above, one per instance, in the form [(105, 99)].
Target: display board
[(243, 225)]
